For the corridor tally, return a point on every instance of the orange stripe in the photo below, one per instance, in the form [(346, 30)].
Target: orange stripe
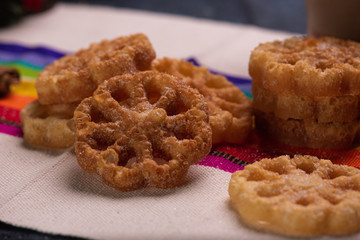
[(16, 101)]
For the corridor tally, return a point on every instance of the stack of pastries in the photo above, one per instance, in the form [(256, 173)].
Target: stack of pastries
[(306, 91), (48, 121)]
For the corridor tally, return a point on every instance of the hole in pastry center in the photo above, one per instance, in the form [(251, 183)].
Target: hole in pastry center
[(160, 157), (306, 167), (152, 91), (127, 158), (177, 107), (182, 135), (120, 95), (303, 201), (101, 141), (153, 96), (97, 116)]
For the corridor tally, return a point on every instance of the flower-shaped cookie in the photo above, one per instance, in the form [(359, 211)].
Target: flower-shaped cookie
[(142, 130)]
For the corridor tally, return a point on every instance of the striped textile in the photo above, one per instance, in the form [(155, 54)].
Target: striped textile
[(228, 157), (29, 61)]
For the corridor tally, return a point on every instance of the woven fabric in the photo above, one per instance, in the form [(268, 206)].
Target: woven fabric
[(30, 61)]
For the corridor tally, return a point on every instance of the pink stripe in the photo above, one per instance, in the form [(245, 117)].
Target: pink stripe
[(11, 130), (10, 114), (220, 163)]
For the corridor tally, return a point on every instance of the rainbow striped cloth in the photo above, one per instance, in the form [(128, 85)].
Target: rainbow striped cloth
[(29, 62), (228, 157)]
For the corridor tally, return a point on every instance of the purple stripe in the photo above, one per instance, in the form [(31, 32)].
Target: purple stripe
[(16, 48), (32, 58), (220, 163), (11, 130)]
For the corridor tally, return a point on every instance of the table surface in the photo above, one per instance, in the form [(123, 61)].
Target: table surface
[(221, 46)]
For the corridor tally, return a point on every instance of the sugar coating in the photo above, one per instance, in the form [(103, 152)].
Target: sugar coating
[(230, 110), (307, 66), (76, 76), (299, 196), (142, 130)]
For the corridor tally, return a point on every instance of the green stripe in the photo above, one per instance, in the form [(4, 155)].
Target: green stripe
[(23, 63), (23, 69), (249, 95)]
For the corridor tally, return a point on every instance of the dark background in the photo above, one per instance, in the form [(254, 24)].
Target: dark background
[(286, 15)]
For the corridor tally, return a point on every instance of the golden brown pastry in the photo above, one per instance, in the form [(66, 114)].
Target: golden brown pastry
[(48, 126), (229, 109), (74, 77), (142, 130), (306, 91), (300, 196)]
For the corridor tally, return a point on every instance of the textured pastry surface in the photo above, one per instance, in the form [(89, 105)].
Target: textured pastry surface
[(307, 66), (300, 196), (74, 77), (142, 130), (230, 110), (48, 126), (306, 91)]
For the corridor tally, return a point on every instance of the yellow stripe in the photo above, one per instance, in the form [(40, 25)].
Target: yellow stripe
[(26, 88)]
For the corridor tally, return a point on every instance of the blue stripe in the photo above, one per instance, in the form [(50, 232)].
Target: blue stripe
[(30, 59), (19, 49)]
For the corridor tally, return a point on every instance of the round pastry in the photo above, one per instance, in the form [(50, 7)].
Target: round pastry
[(306, 91), (307, 66), (229, 109), (74, 77), (48, 126), (142, 130), (307, 132), (300, 196), (321, 109)]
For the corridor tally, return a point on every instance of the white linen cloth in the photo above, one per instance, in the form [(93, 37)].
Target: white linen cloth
[(49, 192)]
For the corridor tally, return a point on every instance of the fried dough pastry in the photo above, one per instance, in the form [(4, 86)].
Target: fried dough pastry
[(142, 130), (74, 77), (306, 91), (307, 66), (307, 133), (48, 126), (300, 196), (229, 109), (321, 109)]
